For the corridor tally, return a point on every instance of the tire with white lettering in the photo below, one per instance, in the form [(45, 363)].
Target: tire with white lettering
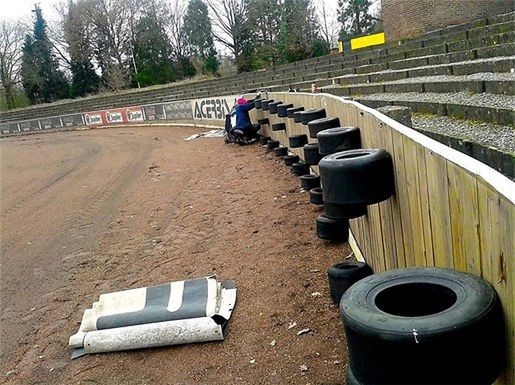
[(289, 160), (427, 326), (343, 275)]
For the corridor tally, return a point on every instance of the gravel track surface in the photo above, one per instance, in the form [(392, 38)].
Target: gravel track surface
[(97, 211)]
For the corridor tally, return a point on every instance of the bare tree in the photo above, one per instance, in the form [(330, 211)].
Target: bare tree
[(328, 27), (11, 41), (175, 29)]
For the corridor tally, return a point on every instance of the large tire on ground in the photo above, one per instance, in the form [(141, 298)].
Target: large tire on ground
[(343, 275), (264, 121), (290, 160), (272, 144), (264, 139), (300, 168), (278, 127), (309, 115), (257, 103), (282, 110), (297, 141), (291, 111), (316, 196), (423, 326), (265, 103), (338, 139), (311, 154), (355, 178), (334, 230), (281, 151), (272, 107), (309, 181), (317, 125)]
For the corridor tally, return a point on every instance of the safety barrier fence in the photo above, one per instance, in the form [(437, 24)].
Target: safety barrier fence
[(449, 210)]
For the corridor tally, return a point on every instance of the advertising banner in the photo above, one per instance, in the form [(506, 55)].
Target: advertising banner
[(134, 114), (74, 120), (49, 123), (96, 118), (115, 116), (154, 112), (178, 110), (29, 125), (214, 108)]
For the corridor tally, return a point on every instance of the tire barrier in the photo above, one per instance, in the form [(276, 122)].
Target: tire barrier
[(281, 151), (296, 141), (423, 326), (309, 115), (272, 107), (195, 310), (300, 168), (290, 160), (334, 230), (290, 112), (279, 127), (311, 154), (297, 118), (264, 140), (257, 103), (338, 139), (265, 103), (282, 110), (343, 275), (317, 125), (272, 144), (263, 121), (316, 196), (354, 179), (309, 181)]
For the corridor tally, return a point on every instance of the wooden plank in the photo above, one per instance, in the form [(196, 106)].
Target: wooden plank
[(424, 205), (438, 201), (464, 214)]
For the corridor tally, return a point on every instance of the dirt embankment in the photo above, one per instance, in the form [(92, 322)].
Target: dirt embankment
[(85, 213)]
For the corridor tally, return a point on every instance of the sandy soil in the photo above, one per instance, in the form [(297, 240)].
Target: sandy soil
[(84, 213)]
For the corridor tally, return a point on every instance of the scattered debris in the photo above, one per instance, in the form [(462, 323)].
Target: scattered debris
[(316, 294), (303, 331), (208, 134), (273, 343), (292, 325), (253, 361), (303, 368), (314, 271)]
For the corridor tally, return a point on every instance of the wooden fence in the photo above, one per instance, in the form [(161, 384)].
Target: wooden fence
[(449, 210)]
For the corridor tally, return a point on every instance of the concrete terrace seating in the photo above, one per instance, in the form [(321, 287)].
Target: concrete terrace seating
[(424, 73)]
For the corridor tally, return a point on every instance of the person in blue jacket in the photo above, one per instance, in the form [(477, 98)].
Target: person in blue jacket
[(242, 117)]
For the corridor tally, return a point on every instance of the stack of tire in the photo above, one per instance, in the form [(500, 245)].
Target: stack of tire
[(423, 326)]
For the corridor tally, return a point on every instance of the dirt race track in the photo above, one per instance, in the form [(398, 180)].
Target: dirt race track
[(90, 212)]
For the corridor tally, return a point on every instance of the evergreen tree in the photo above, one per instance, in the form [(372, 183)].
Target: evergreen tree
[(199, 35), (152, 53), (41, 77), (354, 17)]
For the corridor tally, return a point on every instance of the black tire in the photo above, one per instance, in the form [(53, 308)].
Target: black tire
[(317, 125), (343, 275), (296, 117), (281, 110), (265, 103), (272, 107), (264, 121), (264, 140), (350, 378), (309, 115), (311, 154), (278, 127), (297, 141), (333, 230), (361, 177), (316, 196), (338, 139), (257, 103), (291, 111), (309, 181), (300, 168), (272, 144), (281, 151), (289, 160), (423, 326)]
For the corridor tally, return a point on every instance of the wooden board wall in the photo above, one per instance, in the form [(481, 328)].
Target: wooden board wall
[(449, 210)]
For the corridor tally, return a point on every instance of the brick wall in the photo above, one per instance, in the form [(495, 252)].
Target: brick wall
[(409, 18)]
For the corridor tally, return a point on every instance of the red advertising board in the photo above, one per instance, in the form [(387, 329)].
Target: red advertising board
[(96, 118), (134, 114)]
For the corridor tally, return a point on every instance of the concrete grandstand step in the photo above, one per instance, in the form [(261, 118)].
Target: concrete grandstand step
[(485, 107)]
